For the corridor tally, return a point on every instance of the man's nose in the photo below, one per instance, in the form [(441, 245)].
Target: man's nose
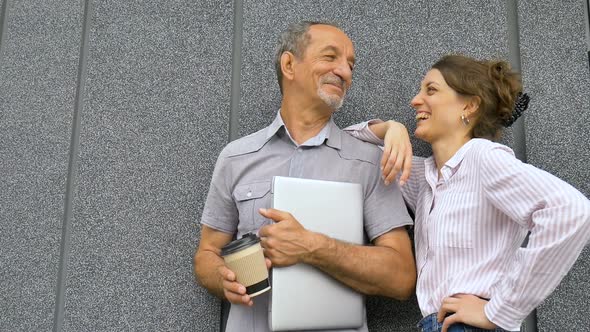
[(344, 72)]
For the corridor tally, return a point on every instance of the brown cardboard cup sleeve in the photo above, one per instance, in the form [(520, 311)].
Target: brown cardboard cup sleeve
[(244, 256)]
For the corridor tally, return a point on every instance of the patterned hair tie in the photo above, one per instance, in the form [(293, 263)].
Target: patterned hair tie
[(521, 104)]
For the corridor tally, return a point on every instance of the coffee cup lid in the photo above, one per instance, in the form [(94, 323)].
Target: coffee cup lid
[(247, 240)]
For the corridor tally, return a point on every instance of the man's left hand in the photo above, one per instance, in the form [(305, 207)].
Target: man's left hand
[(285, 242), (467, 309)]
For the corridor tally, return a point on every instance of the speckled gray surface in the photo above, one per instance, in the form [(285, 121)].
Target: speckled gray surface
[(38, 71), (555, 70), (155, 117), (156, 114), (396, 42), (555, 67)]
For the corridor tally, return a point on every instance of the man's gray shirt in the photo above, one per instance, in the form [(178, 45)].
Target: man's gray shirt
[(242, 180)]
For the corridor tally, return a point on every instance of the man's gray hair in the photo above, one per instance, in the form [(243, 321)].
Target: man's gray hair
[(295, 40)]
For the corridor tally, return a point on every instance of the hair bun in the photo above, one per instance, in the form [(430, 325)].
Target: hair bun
[(498, 69)]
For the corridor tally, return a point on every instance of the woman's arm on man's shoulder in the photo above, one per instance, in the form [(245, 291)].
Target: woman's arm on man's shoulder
[(397, 150)]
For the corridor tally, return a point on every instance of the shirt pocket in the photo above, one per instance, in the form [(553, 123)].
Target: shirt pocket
[(249, 198), (457, 220)]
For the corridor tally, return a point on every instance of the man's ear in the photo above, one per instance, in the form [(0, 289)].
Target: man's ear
[(287, 64)]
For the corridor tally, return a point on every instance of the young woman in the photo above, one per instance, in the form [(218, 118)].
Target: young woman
[(474, 202)]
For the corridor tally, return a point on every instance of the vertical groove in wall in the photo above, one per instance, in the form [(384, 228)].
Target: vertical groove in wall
[(72, 169), (234, 114), (587, 24), (236, 70), (514, 57), (530, 322), (3, 19)]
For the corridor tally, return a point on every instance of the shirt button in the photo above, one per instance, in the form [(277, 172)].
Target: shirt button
[(249, 194)]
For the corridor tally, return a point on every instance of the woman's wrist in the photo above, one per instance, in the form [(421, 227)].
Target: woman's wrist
[(393, 124), (381, 128)]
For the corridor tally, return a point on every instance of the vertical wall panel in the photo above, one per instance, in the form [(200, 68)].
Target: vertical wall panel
[(396, 42), (555, 69), (38, 71), (3, 13), (155, 116)]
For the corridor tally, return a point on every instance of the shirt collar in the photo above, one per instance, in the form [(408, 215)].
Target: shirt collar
[(452, 165), (329, 134), (458, 157), (274, 127)]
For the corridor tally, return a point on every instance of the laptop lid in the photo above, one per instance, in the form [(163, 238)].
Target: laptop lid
[(303, 297)]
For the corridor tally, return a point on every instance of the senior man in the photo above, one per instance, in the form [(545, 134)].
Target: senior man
[(314, 65)]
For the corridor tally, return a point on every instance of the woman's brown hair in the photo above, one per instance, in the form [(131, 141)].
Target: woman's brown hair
[(493, 82)]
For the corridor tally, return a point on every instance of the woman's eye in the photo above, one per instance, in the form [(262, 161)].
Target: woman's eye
[(430, 90)]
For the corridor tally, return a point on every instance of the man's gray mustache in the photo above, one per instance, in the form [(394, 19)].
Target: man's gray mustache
[(332, 79)]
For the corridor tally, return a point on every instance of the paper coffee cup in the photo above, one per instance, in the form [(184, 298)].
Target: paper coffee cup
[(245, 258)]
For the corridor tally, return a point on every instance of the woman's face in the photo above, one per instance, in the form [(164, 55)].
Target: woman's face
[(438, 109)]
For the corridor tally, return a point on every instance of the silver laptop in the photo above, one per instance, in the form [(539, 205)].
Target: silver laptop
[(302, 296)]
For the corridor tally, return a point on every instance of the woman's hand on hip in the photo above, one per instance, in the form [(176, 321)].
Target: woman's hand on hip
[(464, 308)]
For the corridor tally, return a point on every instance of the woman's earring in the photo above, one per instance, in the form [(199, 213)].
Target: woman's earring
[(465, 120)]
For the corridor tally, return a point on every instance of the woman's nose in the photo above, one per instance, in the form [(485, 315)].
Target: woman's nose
[(416, 101)]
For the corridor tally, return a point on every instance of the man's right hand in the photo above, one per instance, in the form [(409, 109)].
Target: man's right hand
[(233, 291), (211, 271)]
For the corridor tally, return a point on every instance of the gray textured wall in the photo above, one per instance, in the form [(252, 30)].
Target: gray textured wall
[(38, 66), (555, 71), (155, 113), (111, 121)]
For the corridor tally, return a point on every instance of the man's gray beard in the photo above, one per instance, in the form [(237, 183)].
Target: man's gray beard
[(333, 101)]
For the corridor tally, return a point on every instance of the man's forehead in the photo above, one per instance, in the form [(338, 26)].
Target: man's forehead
[(325, 27), (323, 30), (328, 36)]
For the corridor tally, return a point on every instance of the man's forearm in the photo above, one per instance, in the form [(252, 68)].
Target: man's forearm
[(371, 270), (386, 269)]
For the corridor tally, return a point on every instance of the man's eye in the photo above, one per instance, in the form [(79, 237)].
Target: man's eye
[(330, 56)]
